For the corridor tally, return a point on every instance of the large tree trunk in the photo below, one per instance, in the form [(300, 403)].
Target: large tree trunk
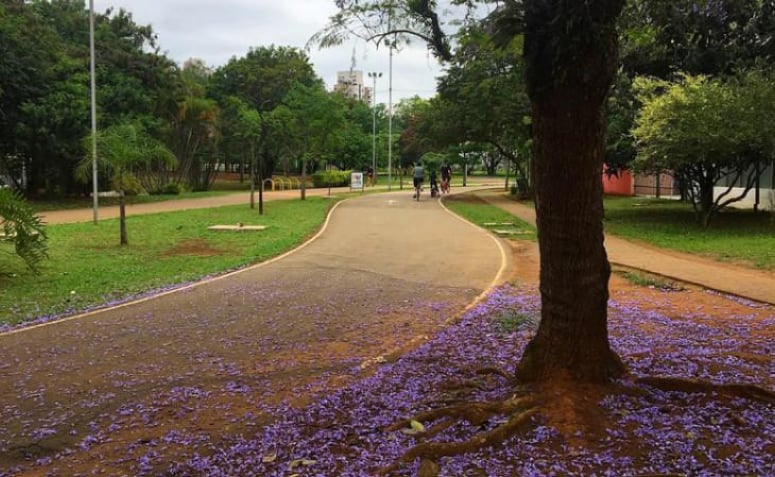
[(568, 89)]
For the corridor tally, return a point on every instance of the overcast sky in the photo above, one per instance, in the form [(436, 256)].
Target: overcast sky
[(216, 30)]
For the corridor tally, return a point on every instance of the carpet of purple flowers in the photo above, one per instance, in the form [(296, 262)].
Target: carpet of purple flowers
[(342, 434), (640, 431)]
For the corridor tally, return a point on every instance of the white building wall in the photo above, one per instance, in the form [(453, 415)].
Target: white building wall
[(766, 198)]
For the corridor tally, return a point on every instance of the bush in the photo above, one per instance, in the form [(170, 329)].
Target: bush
[(171, 188), (334, 178)]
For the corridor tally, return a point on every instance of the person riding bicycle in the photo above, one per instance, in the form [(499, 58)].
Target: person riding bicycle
[(419, 177), (446, 176), (434, 184)]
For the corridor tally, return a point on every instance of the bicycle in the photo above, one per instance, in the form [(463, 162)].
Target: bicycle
[(417, 190)]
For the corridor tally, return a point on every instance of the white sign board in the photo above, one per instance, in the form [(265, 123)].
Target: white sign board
[(356, 180)]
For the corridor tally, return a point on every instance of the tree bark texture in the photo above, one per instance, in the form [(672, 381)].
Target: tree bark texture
[(568, 89)]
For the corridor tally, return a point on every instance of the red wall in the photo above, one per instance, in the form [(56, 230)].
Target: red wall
[(622, 185)]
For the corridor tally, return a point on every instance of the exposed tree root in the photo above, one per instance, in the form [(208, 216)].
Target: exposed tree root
[(496, 371), (475, 413), (748, 391), (520, 410)]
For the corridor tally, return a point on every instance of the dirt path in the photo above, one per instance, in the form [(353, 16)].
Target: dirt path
[(756, 285), (112, 211), (385, 271)]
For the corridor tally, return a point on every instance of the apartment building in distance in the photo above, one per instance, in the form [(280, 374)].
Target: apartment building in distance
[(350, 84)]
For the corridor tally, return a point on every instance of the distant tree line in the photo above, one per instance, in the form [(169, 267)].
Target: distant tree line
[(261, 113)]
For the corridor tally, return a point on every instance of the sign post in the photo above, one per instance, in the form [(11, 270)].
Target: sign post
[(356, 181)]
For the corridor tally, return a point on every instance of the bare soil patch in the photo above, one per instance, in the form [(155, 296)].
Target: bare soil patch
[(199, 247)]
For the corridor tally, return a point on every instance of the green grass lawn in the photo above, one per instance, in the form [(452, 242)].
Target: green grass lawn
[(88, 267), (481, 213), (734, 235)]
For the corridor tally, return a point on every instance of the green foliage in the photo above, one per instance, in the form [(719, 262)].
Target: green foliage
[(705, 130), (649, 281), (333, 178), (23, 229), (126, 148), (717, 38), (166, 249), (513, 320), (127, 182), (135, 83), (172, 188)]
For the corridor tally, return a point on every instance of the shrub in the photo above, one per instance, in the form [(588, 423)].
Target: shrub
[(334, 178), (171, 188)]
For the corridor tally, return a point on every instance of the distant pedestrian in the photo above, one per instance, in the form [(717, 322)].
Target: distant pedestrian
[(370, 175)]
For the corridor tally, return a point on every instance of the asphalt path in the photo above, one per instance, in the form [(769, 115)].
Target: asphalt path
[(384, 272)]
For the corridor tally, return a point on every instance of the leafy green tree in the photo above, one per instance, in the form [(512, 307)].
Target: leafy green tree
[(124, 151), (49, 111), (21, 226), (316, 120), (709, 37), (665, 38), (485, 87), (252, 129), (706, 130), (261, 79), (355, 151), (28, 49)]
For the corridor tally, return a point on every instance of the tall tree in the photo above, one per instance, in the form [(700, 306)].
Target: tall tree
[(50, 114), (570, 55), (261, 80), (194, 132), (485, 86), (668, 38), (316, 121), (571, 58)]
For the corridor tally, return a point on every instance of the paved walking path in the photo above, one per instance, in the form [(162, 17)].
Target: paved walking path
[(727, 278), (385, 270)]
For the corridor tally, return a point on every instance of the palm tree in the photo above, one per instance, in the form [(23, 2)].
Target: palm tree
[(20, 225), (125, 149)]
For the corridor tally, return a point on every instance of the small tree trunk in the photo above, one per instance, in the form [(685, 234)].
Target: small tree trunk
[(122, 217), (707, 208), (261, 189), (304, 179)]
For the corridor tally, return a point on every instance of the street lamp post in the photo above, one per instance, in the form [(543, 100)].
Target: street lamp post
[(93, 110), (374, 75), (390, 120)]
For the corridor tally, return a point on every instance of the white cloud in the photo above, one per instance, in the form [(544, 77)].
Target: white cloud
[(218, 30)]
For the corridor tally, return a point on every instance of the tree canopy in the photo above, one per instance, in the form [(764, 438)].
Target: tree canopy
[(705, 130)]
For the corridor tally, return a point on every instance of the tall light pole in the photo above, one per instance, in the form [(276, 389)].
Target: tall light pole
[(390, 119), (374, 75), (93, 109)]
